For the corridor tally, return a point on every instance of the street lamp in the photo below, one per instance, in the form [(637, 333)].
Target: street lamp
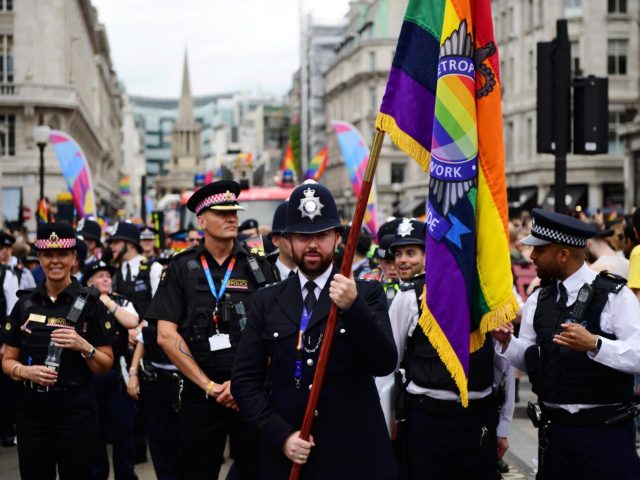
[(396, 188), (41, 137)]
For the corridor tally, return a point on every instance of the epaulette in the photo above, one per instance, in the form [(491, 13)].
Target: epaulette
[(405, 287), (90, 292), (24, 292), (609, 282)]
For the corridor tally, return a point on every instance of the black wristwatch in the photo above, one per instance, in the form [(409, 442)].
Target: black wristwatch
[(598, 345), (91, 354)]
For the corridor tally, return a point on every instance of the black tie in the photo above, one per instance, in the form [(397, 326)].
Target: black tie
[(292, 273), (310, 300), (127, 278), (562, 301)]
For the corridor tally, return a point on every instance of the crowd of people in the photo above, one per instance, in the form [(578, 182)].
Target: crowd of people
[(109, 340)]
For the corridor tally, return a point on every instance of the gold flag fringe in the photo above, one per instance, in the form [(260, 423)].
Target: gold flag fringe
[(439, 340), (404, 142), (500, 315)]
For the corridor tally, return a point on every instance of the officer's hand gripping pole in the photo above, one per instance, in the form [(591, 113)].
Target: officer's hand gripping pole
[(345, 269)]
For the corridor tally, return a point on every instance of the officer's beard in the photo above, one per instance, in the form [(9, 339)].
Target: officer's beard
[(312, 268)]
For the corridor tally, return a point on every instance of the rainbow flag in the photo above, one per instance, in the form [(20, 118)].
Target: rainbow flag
[(317, 165), (355, 154), (75, 171), (287, 161), (125, 185), (442, 107), (42, 215)]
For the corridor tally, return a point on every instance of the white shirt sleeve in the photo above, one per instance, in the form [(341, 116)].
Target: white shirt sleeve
[(154, 276), (503, 370), (27, 280), (10, 288), (620, 316), (527, 336)]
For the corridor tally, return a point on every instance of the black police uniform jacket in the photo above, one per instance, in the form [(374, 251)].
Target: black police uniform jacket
[(349, 430)]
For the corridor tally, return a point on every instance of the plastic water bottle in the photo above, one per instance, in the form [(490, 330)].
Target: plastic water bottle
[(54, 353)]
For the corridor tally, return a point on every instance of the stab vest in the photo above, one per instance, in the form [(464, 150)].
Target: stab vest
[(138, 290), (560, 375), (3, 299), (121, 346), (426, 370)]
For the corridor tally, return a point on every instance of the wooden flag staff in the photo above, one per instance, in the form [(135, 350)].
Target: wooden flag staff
[(345, 269)]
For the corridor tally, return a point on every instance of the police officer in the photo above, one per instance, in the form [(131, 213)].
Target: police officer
[(148, 243), (91, 232), (579, 341), (444, 439), (57, 336), (116, 410), (285, 265), (281, 345), (201, 309)]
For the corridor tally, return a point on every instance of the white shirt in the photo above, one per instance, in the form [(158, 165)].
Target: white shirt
[(620, 317), (154, 271), (26, 277), (283, 269), (320, 282), (404, 315), (10, 287)]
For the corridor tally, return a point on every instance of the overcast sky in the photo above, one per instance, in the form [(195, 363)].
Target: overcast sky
[(232, 44)]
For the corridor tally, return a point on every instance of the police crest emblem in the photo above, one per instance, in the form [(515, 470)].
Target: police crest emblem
[(405, 228), (310, 205)]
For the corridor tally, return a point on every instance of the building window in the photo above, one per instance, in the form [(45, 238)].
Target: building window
[(615, 143), (6, 5), (397, 172), (575, 57), (572, 8), (617, 56), (530, 15), (373, 99), (8, 135), (532, 68), (6, 58), (372, 61), (509, 143), (617, 6), (530, 134), (540, 12)]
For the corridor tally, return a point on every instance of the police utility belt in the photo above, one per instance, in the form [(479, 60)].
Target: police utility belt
[(435, 406), (540, 414)]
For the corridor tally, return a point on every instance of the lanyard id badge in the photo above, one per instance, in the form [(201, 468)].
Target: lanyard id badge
[(218, 341), (304, 323)]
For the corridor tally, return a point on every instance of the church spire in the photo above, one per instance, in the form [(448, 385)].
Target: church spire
[(185, 107)]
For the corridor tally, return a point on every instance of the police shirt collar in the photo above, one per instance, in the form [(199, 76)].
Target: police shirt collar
[(581, 276), (72, 290), (320, 281)]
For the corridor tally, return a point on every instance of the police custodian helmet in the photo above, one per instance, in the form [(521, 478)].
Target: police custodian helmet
[(312, 209), (55, 236)]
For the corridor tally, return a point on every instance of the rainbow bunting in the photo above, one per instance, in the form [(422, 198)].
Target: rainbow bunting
[(75, 171), (355, 154), (442, 106), (125, 185), (317, 165)]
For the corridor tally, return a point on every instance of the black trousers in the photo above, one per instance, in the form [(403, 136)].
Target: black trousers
[(161, 399), (461, 446), (204, 427), (594, 452), (56, 429)]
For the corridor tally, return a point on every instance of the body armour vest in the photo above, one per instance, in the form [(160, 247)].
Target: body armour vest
[(138, 291), (564, 376), (425, 369), (121, 346)]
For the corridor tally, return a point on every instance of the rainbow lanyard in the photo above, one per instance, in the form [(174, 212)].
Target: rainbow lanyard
[(304, 323), (223, 285)]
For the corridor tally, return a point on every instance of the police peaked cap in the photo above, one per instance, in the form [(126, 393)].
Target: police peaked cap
[(94, 267), (221, 195), (127, 232), (551, 227), (248, 224), (383, 252), (55, 236), (148, 233), (312, 209), (279, 219), (409, 231), (90, 230), (6, 240)]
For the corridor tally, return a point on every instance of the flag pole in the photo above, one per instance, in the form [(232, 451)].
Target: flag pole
[(345, 269)]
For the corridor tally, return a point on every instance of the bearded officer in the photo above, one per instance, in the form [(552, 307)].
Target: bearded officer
[(201, 308), (281, 345), (579, 341)]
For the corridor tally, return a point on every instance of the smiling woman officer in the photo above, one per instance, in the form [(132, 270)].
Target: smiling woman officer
[(57, 336)]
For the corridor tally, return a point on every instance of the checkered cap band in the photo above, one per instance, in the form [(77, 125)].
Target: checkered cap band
[(556, 236), (47, 244), (215, 199)]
